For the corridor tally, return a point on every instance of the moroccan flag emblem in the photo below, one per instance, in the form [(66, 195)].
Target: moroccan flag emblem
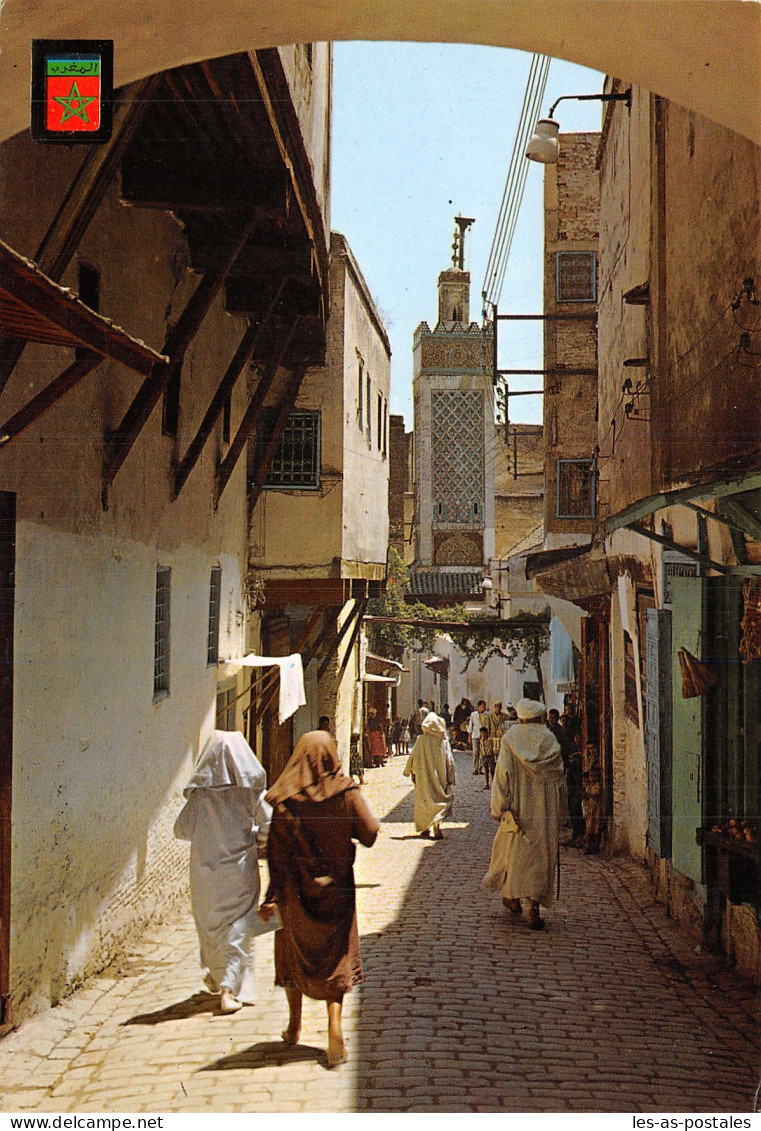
[(71, 90)]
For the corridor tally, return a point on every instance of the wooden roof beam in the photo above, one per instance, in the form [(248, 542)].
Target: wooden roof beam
[(180, 176), (120, 442), (250, 417), (671, 545)]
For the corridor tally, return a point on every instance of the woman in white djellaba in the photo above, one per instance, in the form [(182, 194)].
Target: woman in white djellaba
[(528, 798), (226, 820), (431, 767)]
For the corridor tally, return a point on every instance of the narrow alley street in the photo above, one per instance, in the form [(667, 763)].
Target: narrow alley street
[(463, 1009)]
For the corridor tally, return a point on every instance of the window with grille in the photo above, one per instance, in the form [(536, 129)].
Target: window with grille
[(161, 634), (360, 390), (575, 276), (296, 463), (215, 602), (575, 489), (369, 407)]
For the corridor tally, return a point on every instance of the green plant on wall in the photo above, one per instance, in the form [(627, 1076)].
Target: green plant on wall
[(526, 637)]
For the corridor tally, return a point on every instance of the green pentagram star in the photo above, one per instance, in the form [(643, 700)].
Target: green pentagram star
[(74, 104)]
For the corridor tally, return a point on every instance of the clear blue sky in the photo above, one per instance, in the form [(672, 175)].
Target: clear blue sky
[(422, 132)]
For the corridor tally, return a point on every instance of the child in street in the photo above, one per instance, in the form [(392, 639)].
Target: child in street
[(404, 738), (488, 755)]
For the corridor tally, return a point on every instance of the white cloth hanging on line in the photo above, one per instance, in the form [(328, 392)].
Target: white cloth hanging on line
[(292, 693)]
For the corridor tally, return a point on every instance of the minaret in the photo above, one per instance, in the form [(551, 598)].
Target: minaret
[(454, 428), (454, 285)]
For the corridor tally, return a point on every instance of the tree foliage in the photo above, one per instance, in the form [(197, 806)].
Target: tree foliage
[(393, 639)]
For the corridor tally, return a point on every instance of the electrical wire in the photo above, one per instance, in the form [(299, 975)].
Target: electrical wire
[(515, 182)]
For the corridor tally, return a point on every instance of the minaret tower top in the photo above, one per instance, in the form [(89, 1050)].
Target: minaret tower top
[(454, 285)]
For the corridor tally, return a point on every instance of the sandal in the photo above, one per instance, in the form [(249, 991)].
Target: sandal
[(536, 924), (513, 906)]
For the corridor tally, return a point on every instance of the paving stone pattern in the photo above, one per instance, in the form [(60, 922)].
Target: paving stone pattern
[(462, 1009)]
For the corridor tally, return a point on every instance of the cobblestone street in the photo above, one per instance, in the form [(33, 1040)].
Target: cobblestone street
[(462, 1008)]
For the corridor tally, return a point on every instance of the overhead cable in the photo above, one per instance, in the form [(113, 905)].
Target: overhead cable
[(512, 196)]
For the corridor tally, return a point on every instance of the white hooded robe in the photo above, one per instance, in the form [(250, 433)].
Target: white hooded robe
[(432, 766), (528, 797), (226, 819)]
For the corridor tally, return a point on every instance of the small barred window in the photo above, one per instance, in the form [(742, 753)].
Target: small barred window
[(575, 276)]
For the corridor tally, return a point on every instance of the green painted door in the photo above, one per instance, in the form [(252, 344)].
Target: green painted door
[(687, 729)]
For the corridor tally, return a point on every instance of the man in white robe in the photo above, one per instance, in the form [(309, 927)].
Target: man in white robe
[(226, 819), (431, 767), (528, 798)]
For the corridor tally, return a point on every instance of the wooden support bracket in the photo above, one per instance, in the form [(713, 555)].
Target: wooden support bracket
[(119, 444), (284, 410), (671, 545), (243, 352), (49, 395)]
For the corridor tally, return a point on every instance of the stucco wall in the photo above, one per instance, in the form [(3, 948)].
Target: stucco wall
[(98, 766)]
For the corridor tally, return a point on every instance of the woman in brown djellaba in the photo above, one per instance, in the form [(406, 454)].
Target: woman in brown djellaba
[(318, 814)]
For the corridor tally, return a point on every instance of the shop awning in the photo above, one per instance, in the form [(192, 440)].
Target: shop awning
[(438, 664), (585, 578)]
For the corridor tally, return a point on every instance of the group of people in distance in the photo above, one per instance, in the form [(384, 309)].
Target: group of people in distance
[(308, 823)]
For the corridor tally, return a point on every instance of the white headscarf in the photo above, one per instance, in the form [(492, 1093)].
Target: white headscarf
[(227, 760)]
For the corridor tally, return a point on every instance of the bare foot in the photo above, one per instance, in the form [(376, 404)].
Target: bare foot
[(228, 1002), (336, 1053), (291, 1036)]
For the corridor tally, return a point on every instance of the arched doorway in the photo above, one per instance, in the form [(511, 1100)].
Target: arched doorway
[(698, 53)]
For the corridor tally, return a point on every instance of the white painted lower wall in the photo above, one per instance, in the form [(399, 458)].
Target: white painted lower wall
[(98, 766)]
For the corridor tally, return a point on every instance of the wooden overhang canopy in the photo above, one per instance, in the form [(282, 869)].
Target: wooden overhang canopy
[(35, 309), (220, 146), (736, 496), (318, 592), (583, 575)]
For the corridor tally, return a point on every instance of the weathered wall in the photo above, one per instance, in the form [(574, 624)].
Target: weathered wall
[(708, 388), (341, 529), (571, 210), (308, 67), (366, 451), (518, 500), (625, 328)]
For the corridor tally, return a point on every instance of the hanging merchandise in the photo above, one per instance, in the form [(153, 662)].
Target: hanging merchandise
[(696, 677), (750, 642)]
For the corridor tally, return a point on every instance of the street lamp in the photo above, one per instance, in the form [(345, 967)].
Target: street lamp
[(544, 145), (487, 586)]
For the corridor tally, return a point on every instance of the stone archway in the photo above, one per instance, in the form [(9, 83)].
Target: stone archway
[(702, 54)]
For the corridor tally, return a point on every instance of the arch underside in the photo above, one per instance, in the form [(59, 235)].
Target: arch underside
[(703, 54)]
